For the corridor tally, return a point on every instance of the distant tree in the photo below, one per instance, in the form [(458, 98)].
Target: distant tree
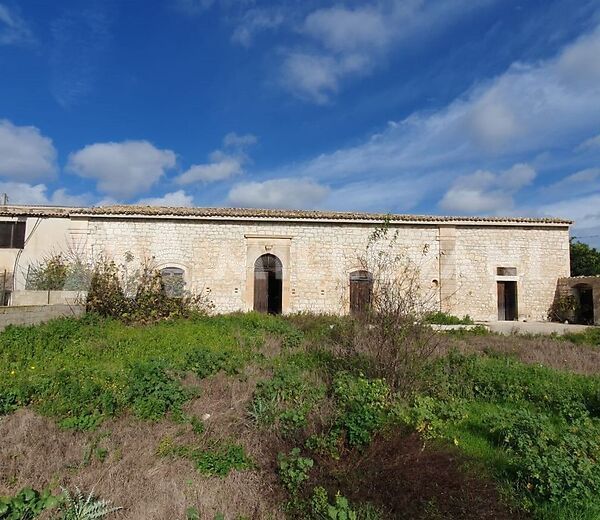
[(585, 260)]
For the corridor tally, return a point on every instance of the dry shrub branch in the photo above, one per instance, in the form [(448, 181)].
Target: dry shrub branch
[(392, 333)]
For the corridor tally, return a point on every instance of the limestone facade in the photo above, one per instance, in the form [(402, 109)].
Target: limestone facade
[(457, 259)]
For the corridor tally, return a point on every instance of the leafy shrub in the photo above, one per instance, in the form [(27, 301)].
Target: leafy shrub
[(364, 406), (80, 398), (430, 416), (141, 298), (49, 275), (563, 308), (339, 510), (152, 391), (552, 461), (442, 318), (217, 460), (27, 504), (205, 362), (293, 470), (287, 398)]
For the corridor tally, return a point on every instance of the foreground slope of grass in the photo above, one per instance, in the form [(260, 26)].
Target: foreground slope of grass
[(314, 418)]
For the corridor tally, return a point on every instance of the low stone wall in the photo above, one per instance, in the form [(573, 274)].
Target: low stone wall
[(34, 314), (18, 298)]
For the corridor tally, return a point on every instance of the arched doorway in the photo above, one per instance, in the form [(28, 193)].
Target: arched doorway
[(585, 299), (268, 286), (361, 290)]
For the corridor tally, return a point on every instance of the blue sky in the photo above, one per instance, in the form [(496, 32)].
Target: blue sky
[(414, 106)]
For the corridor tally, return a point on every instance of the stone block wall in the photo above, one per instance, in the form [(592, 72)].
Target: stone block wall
[(457, 262), (540, 256), (35, 314), (219, 256)]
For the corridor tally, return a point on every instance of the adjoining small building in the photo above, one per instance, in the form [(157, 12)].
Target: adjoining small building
[(581, 297), (294, 261)]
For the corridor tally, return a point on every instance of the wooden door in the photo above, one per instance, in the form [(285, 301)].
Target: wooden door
[(501, 302), (261, 291), (361, 290), (268, 284)]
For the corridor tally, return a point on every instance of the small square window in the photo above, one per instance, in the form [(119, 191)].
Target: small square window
[(12, 235), (506, 271)]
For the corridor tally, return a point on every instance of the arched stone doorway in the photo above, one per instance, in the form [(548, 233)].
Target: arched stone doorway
[(268, 284), (361, 290), (585, 300)]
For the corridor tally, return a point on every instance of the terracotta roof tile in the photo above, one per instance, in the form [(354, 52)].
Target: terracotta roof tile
[(261, 214)]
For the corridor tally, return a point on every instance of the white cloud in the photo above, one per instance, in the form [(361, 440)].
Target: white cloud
[(254, 21), (177, 198), (340, 29), (486, 192), (584, 210), (223, 164), (278, 193), (37, 194), (524, 112), (25, 154), (342, 42), (315, 77), (223, 168), (593, 143), (122, 169), (13, 29)]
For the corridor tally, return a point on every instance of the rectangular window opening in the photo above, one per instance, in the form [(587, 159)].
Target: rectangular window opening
[(12, 235), (506, 271)]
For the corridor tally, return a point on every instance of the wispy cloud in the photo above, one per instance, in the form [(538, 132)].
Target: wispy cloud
[(177, 198), (487, 192), (224, 163), (522, 114), (255, 21), (80, 38), (278, 193), (343, 42), (13, 28)]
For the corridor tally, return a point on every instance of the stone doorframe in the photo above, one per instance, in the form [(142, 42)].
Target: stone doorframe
[(258, 245)]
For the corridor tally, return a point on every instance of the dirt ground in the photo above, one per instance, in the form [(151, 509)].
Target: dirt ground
[(34, 452), (553, 353), (410, 481)]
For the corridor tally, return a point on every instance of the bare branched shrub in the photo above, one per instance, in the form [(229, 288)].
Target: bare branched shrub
[(139, 295), (392, 332)]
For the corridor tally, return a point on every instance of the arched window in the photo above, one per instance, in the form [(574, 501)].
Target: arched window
[(173, 280), (268, 284), (361, 291)]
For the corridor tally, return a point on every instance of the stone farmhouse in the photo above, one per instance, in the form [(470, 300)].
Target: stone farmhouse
[(293, 261)]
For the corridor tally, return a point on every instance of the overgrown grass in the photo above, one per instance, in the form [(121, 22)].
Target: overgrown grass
[(537, 430), (82, 371)]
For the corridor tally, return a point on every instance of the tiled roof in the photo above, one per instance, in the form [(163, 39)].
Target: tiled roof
[(259, 214)]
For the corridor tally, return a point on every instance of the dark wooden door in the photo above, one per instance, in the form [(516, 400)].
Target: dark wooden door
[(507, 301), (261, 291), (361, 290), (501, 302), (268, 284)]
